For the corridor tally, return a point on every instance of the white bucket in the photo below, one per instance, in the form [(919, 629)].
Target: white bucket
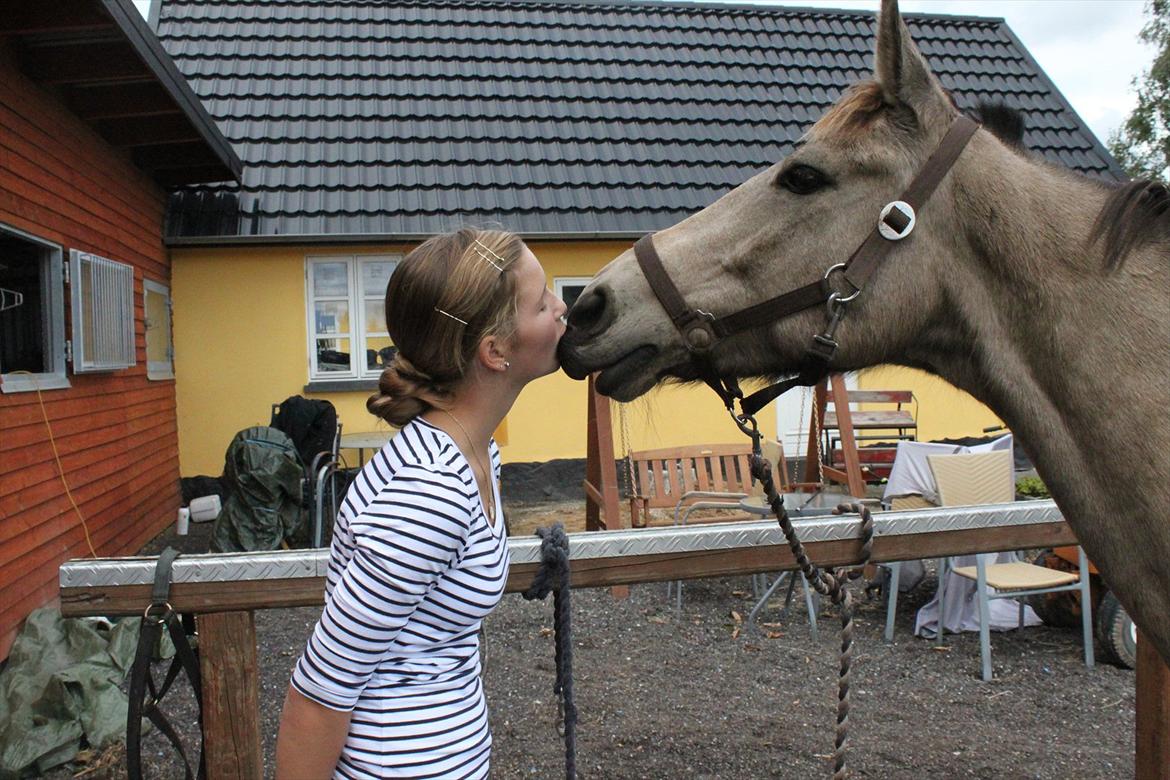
[(181, 521), (205, 508)]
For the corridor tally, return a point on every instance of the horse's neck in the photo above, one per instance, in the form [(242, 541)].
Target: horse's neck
[(1075, 359)]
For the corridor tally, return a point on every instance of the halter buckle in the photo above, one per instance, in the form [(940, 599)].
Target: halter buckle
[(700, 332), (897, 220)]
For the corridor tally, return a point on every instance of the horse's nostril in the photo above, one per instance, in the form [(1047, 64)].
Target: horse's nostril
[(587, 312)]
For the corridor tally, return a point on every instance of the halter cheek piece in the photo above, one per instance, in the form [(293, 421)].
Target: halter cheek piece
[(701, 330)]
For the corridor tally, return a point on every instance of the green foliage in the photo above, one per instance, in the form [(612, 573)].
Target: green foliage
[(1033, 487), (1142, 144)]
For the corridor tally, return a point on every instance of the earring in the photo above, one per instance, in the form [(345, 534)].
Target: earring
[(507, 364)]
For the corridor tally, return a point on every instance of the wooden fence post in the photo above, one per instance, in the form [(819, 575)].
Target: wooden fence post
[(1152, 714), (231, 695)]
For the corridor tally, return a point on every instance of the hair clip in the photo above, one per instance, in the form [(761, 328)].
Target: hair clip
[(452, 316), (488, 255)]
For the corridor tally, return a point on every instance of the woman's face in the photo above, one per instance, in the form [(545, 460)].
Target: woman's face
[(533, 349)]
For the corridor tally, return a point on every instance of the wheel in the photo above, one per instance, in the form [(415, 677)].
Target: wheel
[(1116, 633)]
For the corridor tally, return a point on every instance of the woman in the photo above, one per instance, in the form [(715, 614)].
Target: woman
[(389, 683)]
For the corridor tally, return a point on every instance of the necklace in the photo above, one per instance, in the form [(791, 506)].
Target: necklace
[(491, 503)]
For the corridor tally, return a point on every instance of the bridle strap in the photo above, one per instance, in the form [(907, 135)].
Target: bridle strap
[(700, 330), (875, 247)]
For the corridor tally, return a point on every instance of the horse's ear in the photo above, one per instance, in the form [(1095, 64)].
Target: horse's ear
[(898, 66)]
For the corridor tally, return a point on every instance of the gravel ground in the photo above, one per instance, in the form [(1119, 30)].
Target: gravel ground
[(696, 695)]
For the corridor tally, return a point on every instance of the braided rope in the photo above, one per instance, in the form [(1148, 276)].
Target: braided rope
[(553, 576), (830, 584)]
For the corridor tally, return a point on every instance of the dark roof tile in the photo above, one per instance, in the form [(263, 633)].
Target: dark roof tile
[(406, 117)]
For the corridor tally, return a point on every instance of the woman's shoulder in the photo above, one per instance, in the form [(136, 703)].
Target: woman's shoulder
[(421, 458)]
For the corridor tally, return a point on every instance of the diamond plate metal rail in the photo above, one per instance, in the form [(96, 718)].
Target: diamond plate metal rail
[(226, 582)]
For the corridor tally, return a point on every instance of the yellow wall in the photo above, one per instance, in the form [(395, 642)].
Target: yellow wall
[(942, 410), (241, 345)]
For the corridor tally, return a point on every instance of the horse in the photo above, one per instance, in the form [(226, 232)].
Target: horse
[(1042, 293)]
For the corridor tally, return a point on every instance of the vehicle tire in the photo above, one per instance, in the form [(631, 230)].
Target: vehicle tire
[(1116, 633)]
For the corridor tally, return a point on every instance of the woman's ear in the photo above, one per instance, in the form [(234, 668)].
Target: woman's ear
[(492, 353)]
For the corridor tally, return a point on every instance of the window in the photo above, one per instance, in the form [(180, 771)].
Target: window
[(569, 288), (102, 291), (346, 320), (32, 313), (160, 350)]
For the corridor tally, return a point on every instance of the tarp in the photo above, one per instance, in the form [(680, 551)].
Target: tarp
[(264, 477), (62, 685)]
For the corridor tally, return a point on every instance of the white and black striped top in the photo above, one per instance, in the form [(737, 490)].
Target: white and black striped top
[(413, 570)]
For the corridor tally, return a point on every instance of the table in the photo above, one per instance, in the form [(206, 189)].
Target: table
[(362, 441)]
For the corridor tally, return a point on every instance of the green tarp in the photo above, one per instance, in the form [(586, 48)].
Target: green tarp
[(62, 684)]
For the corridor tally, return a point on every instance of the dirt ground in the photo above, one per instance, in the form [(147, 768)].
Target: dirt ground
[(697, 695)]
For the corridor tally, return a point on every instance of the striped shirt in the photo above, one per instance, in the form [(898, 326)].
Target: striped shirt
[(414, 568)]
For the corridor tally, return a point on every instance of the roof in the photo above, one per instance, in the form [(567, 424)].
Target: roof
[(394, 119), (107, 66)]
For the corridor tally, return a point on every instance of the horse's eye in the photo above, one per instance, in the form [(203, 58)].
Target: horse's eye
[(802, 180)]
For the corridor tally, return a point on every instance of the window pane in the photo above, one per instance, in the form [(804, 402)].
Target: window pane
[(331, 317), (571, 292), (330, 280), (22, 327), (375, 316), (379, 352), (375, 277), (158, 328), (333, 355)]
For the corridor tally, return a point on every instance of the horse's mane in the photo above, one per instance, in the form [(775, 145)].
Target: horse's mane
[(1134, 214)]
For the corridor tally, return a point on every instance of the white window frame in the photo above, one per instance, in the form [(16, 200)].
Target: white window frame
[(561, 282), (111, 345), (355, 297), (53, 281), (158, 369)]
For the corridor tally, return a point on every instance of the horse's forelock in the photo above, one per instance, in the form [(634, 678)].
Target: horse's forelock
[(856, 109)]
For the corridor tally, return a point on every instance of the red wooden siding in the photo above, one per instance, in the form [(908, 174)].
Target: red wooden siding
[(115, 432)]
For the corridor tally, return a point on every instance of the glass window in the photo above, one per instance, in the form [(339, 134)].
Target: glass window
[(569, 288), (160, 350), (32, 313), (346, 316)]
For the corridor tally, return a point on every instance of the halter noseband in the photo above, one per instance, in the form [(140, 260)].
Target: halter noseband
[(702, 330)]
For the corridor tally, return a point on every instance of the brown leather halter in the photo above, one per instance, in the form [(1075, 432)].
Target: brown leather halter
[(702, 330)]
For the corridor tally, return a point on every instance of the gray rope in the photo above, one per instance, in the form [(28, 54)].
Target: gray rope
[(831, 584), (553, 576)]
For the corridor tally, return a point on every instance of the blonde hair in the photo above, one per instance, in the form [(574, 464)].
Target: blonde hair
[(442, 300)]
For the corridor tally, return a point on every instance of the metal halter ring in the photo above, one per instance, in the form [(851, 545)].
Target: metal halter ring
[(166, 608), (837, 297)]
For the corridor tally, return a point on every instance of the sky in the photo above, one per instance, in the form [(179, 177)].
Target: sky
[(1089, 48)]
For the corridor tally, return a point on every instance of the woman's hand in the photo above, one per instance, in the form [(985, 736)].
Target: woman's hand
[(310, 739)]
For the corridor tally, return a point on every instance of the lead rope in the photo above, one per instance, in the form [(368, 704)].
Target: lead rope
[(830, 584), (553, 575)]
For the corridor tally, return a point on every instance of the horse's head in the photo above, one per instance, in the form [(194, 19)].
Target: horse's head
[(782, 229)]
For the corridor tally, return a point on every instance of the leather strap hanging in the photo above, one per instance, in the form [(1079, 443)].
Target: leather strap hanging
[(157, 615)]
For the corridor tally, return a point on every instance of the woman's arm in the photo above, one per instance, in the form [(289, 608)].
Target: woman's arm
[(310, 739)]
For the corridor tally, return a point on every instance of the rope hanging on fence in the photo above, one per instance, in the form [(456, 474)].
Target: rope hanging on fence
[(553, 576), (831, 584)]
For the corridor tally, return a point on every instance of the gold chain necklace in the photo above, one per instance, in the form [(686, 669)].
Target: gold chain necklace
[(491, 503)]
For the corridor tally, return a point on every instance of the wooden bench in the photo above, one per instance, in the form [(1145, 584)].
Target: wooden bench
[(672, 477)]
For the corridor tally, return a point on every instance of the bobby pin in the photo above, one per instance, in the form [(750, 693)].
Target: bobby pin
[(452, 316), (489, 256)]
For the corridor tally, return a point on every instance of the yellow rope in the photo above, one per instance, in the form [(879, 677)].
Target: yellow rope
[(57, 458)]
